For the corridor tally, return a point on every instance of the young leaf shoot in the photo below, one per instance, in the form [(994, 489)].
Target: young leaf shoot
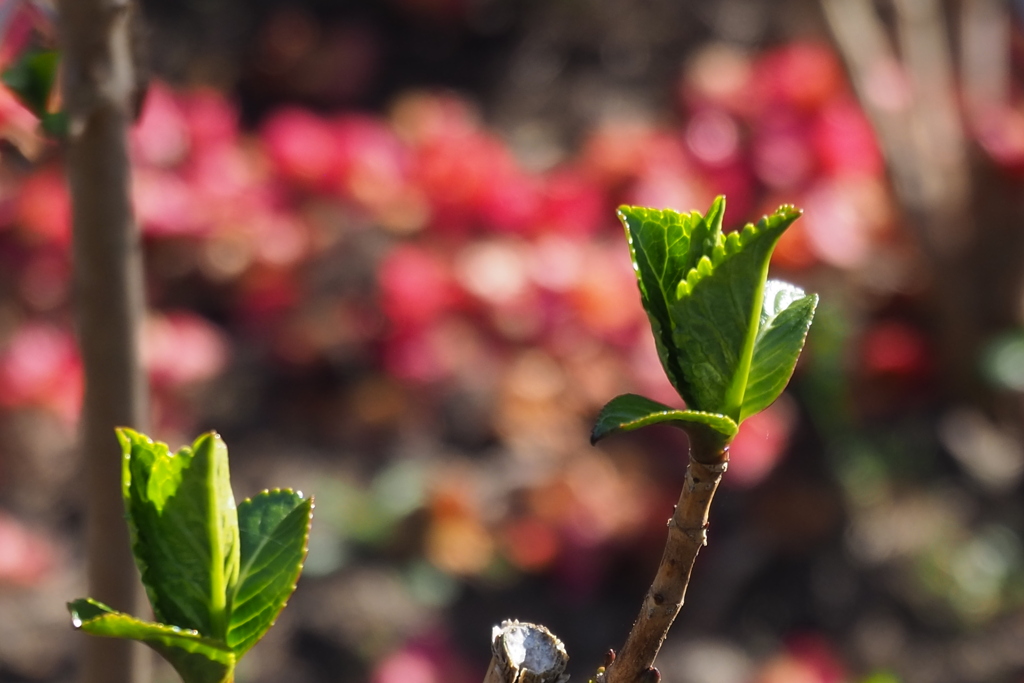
[(216, 576), (728, 339)]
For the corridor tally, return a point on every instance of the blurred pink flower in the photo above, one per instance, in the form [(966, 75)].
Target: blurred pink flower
[(44, 208), (896, 349), (615, 152), (801, 75), (40, 368), (161, 136), (165, 205), (415, 286), (761, 443), (18, 125), (280, 239), (571, 205), (25, 557), (718, 76), (302, 146), (844, 218), (407, 667), (226, 178), (1000, 132), (371, 161), (845, 141), (511, 202), (180, 348), (713, 137), (20, 21), (426, 659), (457, 173), (820, 655), (604, 297), (421, 117), (782, 155), (211, 118)]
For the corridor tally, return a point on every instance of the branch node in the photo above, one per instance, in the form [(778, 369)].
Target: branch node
[(716, 467)]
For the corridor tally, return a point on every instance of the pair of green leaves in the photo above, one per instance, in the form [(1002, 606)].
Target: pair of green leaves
[(216, 576), (728, 337)]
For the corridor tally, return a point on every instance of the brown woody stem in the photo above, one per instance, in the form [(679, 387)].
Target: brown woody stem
[(99, 88), (687, 532)]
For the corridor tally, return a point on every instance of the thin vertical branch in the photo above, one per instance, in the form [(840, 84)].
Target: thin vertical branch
[(937, 130), (99, 91), (913, 105), (985, 40), (880, 81), (687, 534), (913, 108)]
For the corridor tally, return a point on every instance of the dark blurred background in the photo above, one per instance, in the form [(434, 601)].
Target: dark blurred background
[(383, 261)]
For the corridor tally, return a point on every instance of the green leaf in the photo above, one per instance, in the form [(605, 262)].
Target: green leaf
[(716, 313), (55, 124), (195, 658), (629, 411), (665, 246), (274, 530), (32, 78), (785, 319), (184, 528)]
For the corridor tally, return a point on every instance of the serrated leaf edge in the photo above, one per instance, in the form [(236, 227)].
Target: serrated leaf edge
[(733, 243), (689, 224), (813, 297), (233, 590)]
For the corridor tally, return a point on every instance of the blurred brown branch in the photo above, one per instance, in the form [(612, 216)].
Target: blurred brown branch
[(962, 211), (99, 90)]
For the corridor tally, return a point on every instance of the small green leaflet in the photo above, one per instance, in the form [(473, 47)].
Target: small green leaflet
[(785, 320), (665, 246), (629, 411), (181, 513), (274, 530), (216, 576), (715, 316), (195, 658), (727, 338)]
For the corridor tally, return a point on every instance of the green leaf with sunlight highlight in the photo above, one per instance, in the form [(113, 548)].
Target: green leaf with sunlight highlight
[(216, 576), (184, 528), (195, 658), (275, 532), (785, 320), (727, 338), (629, 411)]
